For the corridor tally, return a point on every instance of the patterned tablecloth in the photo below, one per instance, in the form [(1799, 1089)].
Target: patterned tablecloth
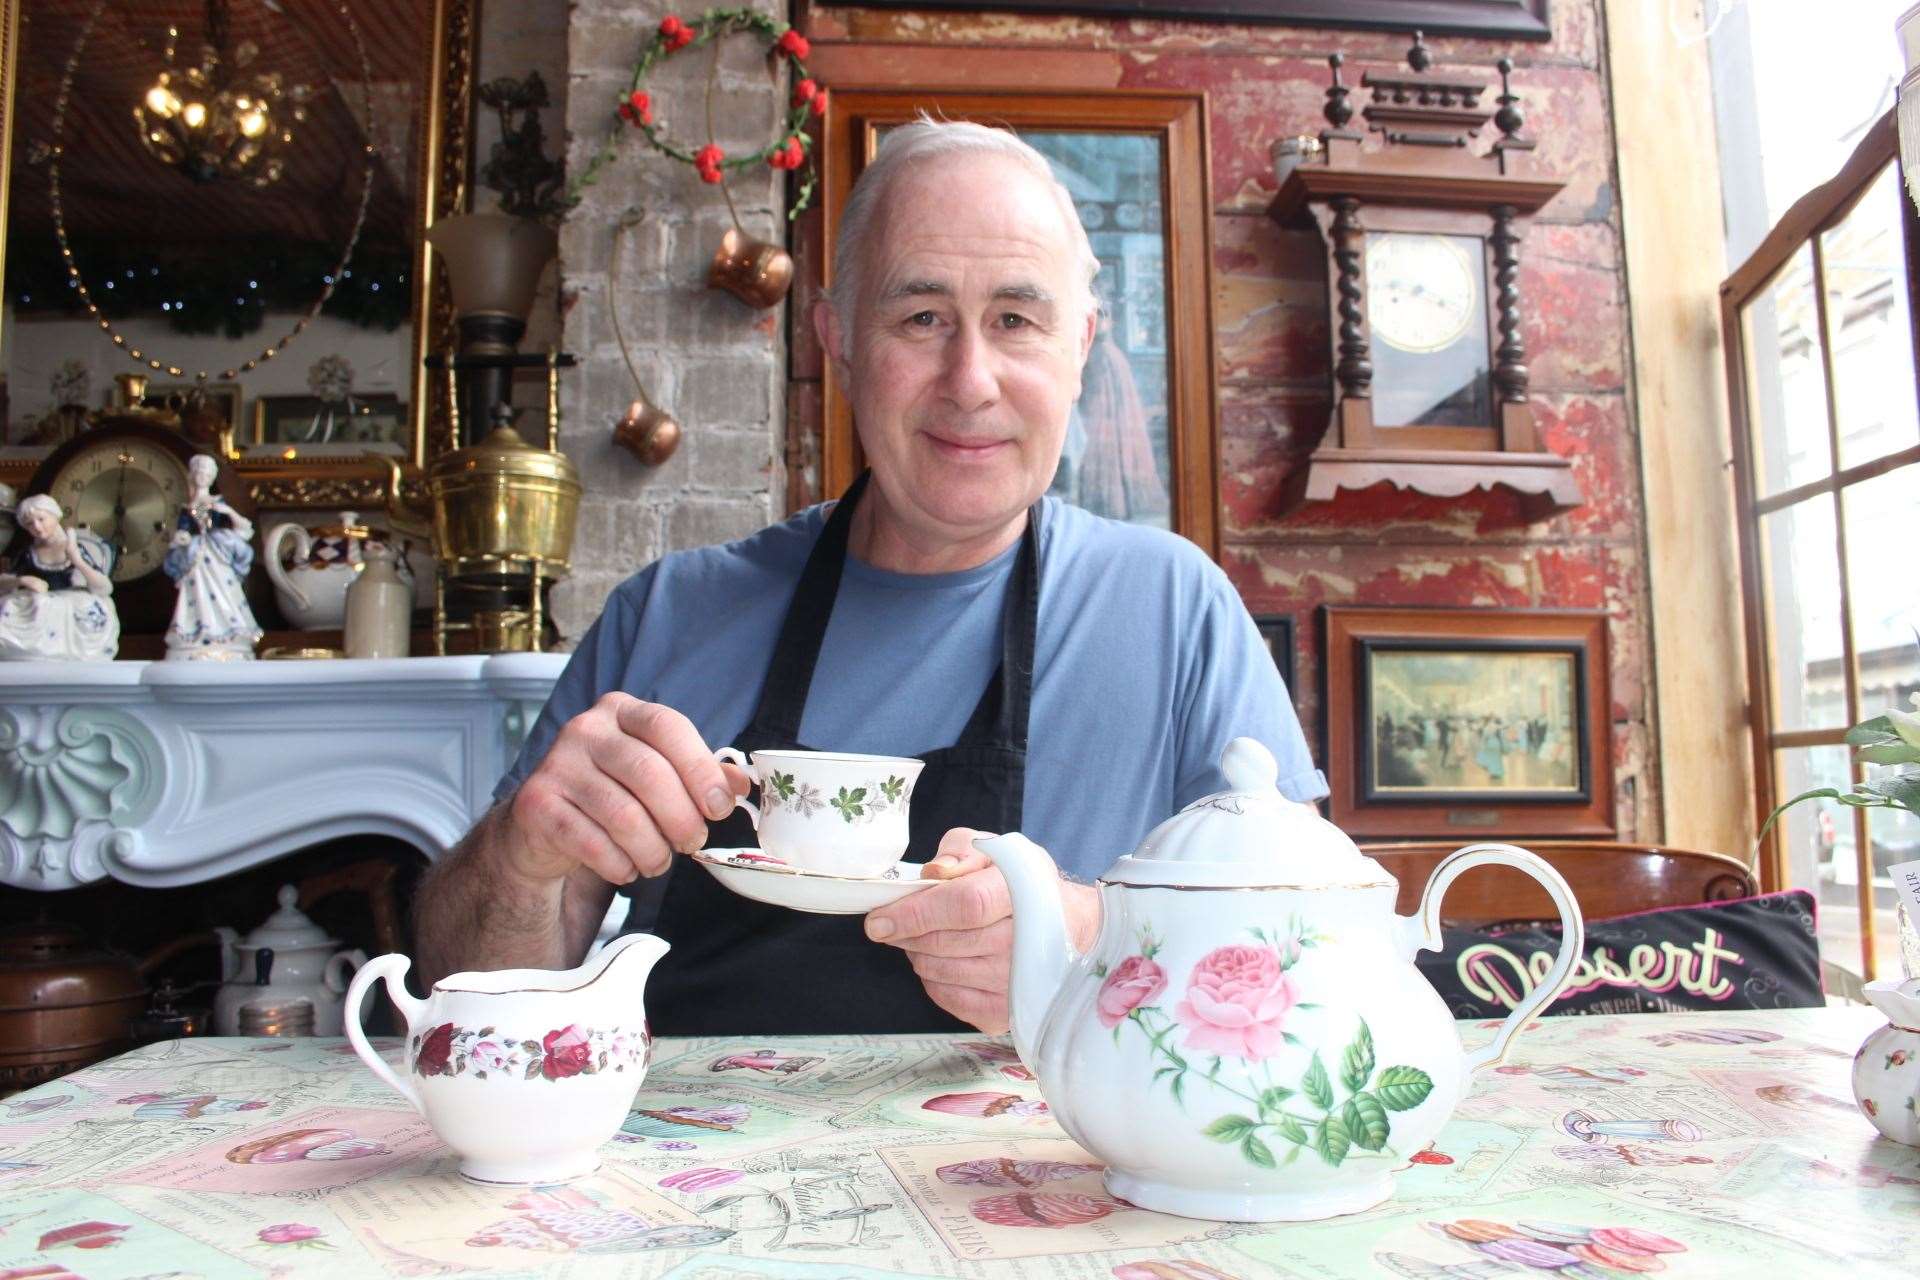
[(1722, 1145)]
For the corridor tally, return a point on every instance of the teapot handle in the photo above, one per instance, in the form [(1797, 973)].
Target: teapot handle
[(393, 968), (1426, 935), (732, 756), (334, 976), (302, 547)]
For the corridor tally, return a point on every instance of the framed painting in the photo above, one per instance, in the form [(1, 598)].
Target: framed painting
[(1494, 19), (1277, 630), (375, 423), (1142, 441), (1443, 722)]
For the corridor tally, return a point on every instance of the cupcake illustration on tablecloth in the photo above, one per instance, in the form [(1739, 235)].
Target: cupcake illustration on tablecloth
[(306, 1144)]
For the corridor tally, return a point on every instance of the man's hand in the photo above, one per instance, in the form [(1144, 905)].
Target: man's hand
[(625, 784), (959, 934)]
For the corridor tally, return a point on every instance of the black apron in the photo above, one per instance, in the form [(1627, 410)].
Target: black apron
[(742, 967)]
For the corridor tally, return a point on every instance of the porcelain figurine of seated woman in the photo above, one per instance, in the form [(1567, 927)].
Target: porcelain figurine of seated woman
[(56, 600)]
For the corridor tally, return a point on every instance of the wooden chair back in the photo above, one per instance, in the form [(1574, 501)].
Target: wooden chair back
[(1608, 879)]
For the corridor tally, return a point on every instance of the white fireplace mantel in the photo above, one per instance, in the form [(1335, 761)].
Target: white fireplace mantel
[(171, 773)]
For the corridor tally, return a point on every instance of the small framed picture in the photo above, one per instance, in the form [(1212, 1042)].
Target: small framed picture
[(1445, 722), (1277, 630), (375, 422)]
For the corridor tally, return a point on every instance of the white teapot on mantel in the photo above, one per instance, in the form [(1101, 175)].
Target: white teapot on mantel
[(1248, 1038)]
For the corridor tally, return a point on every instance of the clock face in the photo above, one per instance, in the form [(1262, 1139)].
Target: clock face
[(1422, 290), (128, 491)]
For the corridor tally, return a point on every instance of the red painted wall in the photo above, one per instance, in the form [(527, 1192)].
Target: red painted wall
[(1269, 287)]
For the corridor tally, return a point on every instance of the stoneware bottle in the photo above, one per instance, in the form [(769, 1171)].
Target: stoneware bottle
[(379, 606)]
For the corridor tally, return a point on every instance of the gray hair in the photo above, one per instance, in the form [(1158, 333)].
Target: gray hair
[(912, 146), (43, 502)]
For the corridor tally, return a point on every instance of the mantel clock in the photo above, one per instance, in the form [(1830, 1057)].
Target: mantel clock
[(1423, 239)]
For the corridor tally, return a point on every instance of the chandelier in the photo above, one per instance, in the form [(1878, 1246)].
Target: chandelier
[(217, 119)]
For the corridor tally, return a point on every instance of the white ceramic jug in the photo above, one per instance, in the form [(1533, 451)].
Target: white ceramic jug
[(288, 957), (1249, 1038), (523, 1072)]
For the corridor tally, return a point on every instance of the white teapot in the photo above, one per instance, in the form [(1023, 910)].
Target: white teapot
[(523, 1072), (287, 957), (1886, 1071), (1248, 1038)]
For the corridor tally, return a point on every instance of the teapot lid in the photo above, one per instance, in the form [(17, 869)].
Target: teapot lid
[(1248, 836), (288, 929)]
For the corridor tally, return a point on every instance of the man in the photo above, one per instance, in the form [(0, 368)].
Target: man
[(1064, 675)]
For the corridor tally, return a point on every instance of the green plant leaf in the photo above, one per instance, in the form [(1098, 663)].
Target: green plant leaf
[(1358, 1063), (1230, 1128), (1366, 1121), (1818, 793), (1317, 1086), (1291, 1038), (1257, 1152), (1179, 1094), (1889, 753), (1271, 1099), (1292, 1130), (1903, 789), (1331, 1141), (1402, 1088)]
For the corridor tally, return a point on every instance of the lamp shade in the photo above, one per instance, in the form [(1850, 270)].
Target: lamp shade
[(1907, 115), (493, 261)]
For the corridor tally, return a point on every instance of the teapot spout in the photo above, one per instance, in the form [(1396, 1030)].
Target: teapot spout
[(1041, 953)]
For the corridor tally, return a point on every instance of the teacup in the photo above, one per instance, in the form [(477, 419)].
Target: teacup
[(825, 811)]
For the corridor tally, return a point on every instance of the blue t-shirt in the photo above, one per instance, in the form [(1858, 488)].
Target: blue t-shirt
[(1146, 665)]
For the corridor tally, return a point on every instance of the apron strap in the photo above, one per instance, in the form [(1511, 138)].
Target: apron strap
[(783, 698)]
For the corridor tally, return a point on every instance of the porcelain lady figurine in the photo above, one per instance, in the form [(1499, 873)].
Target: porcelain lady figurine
[(209, 560), (56, 600)]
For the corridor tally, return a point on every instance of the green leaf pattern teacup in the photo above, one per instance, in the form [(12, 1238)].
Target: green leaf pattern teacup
[(828, 811)]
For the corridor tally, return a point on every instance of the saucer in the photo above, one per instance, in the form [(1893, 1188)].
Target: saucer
[(752, 874)]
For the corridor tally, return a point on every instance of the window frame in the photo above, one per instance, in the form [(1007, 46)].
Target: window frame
[(1804, 227)]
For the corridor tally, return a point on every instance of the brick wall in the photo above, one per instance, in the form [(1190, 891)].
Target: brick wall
[(1380, 547), (717, 365)]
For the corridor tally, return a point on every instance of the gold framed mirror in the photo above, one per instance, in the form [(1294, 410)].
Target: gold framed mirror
[(314, 423)]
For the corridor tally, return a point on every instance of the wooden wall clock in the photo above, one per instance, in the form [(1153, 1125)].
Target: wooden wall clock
[(1423, 240)]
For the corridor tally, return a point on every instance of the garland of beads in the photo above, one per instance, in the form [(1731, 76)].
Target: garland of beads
[(66, 249), (791, 150)]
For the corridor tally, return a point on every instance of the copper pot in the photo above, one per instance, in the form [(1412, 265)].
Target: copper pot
[(64, 1003), (751, 270)]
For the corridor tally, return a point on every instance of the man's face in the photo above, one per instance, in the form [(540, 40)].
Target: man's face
[(964, 352)]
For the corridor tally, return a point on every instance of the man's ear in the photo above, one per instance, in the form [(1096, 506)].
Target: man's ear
[(1088, 330), (833, 340)]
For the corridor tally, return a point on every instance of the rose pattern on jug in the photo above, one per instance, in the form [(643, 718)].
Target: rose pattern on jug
[(853, 804), (572, 1050), (1239, 1002)]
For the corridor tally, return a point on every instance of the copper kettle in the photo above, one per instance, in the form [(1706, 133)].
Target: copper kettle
[(65, 1003)]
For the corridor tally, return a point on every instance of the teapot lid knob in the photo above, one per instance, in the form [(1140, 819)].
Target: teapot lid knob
[(288, 897), (1249, 766)]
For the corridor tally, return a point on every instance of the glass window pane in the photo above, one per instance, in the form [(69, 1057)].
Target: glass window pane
[(1882, 514), (1117, 461), (1786, 382), (1817, 838), (1800, 565), (1869, 326), (1427, 317)]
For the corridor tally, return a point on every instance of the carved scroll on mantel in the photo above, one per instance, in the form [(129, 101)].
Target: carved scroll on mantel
[(164, 774)]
